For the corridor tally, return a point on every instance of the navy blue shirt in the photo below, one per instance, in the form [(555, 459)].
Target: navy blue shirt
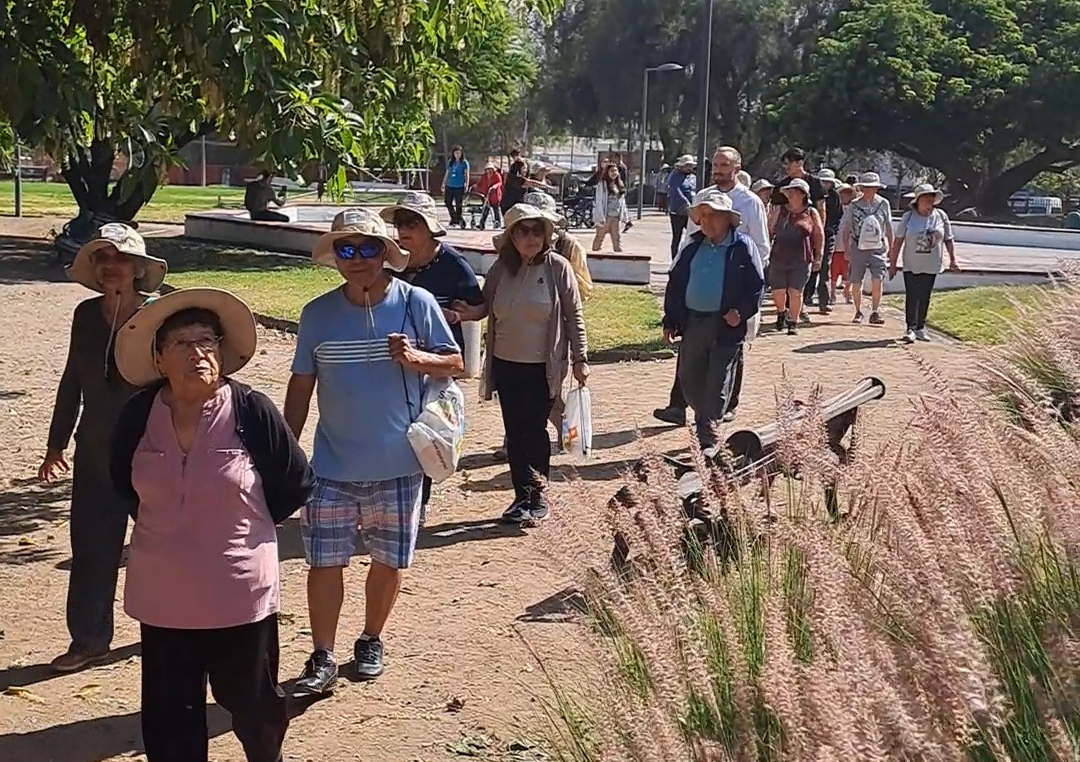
[(449, 278)]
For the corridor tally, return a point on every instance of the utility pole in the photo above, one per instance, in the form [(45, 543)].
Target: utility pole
[(18, 179), (706, 74)]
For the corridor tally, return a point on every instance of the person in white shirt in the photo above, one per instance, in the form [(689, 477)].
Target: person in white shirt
[(726, 166)]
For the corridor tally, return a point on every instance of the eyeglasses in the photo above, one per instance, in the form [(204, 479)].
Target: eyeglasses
[(203, 344), (364, 250), (407, 220), (535, 229)]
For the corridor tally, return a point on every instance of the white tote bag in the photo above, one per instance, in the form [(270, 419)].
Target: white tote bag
[(438, 433), (577, 422)]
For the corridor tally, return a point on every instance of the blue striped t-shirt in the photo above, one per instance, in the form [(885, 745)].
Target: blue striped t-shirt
[(366, 399)]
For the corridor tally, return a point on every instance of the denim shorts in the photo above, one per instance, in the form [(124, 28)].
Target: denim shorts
[(384, 514)]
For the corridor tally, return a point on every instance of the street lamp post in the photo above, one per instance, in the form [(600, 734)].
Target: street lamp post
[(706, 72), (644, 125)]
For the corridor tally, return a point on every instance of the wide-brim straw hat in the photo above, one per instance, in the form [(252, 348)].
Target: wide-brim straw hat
[(715, 200), (926, 189), (869, 180), (351, 223), (126, 240), (419, 203), (136, 357), (519, 213)]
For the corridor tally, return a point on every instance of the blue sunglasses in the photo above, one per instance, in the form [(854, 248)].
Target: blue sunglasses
[(365, 250)]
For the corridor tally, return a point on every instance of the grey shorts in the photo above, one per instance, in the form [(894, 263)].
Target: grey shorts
[(860, 261), (793, 275)]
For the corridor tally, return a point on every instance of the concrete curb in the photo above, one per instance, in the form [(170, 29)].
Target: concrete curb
[(604, 356)]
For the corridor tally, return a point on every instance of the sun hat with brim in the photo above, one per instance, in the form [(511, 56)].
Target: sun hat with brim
[(760, 185), (419, 203), (797, 184), (517, 214), (686, 160), (352, 223), (714, 200), (843, 187), (136, 357), (827, 176), (869, 180), (926, 189), (126, 240), (546, 204)]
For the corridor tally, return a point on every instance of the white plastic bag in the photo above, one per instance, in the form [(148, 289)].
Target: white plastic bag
[(437, 435), (577, 422)]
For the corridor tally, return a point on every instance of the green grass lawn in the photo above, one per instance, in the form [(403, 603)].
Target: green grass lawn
[(984, 315), (169, 204), (622, 319)]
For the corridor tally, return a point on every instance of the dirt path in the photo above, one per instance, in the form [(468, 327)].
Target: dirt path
[(457, 664)]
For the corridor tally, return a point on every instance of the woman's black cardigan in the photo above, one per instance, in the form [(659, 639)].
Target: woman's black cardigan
[(286, 475)]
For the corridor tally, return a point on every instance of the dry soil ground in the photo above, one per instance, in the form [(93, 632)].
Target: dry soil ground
[(458, 664)]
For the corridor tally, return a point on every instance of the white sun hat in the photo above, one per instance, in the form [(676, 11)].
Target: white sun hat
[(926, 189), (717, 201), (126, 240), (869, 180)]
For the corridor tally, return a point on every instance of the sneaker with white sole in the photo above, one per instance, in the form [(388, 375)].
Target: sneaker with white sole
[(922, 334), (908, 337)]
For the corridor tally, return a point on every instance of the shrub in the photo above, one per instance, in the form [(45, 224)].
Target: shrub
[(939, 619)]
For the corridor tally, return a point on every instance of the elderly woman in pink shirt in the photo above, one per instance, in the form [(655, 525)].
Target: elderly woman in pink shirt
[(213, 469)]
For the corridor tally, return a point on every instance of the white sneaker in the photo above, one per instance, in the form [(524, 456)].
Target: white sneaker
[(922, 335), (908, 337)]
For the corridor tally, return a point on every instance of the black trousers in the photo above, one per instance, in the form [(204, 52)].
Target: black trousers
[(819, 281), (454, 198), (917, 290), (266, 215), (241, 664), (678, 399), (99, 520), (525, 401), (678, 227)]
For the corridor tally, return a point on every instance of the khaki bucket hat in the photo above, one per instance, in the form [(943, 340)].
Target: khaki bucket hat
[(363, 222), (136, 357), (716, 200), (126, 240), (519, 213), (419, 203)]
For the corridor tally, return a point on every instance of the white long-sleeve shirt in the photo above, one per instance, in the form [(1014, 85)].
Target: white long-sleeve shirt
[(755, 221)]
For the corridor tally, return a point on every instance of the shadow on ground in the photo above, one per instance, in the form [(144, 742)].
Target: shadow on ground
[(26, 506), (28, 260), (564, 606), (291, 544), (846, 345)]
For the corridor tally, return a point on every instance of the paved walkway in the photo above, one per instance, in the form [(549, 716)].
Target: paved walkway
[(458, 663)]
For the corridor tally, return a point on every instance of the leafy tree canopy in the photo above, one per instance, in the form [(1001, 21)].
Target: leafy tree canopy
[(982, 90), (343, 82), (600, 48)]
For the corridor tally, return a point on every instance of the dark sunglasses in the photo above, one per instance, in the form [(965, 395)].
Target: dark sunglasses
[(364, 250), (530, 228), (407, 220)]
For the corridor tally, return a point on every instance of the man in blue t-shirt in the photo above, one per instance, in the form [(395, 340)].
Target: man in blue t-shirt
[(366, 348), (435, 267)]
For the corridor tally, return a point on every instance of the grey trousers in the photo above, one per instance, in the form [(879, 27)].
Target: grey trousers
[(99, 520), (707, 371)]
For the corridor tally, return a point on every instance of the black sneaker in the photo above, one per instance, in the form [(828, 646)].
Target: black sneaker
[(876, 319), (804, 318), (792, 328), (369, 658), (319, 677), (517, 513), (781, 321), (674, 415), (539, 508)]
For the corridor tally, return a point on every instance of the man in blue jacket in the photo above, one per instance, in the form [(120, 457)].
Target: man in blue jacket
[(714, 287), (681, 187)]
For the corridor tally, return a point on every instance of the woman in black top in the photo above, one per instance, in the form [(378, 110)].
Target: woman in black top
[(116, 265)]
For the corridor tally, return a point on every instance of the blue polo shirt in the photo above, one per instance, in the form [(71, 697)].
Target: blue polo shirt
[(705, 288)]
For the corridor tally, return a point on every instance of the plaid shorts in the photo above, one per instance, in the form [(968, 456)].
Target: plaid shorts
[(385, 515)]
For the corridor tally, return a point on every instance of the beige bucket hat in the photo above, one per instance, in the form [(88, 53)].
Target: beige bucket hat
[(519, 213), (686, 160), (546, 204), (716, 200), (363, 222), (136, 358), (126, 240), (419, 203), (869, 180), (761, 184), (925, 189)]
